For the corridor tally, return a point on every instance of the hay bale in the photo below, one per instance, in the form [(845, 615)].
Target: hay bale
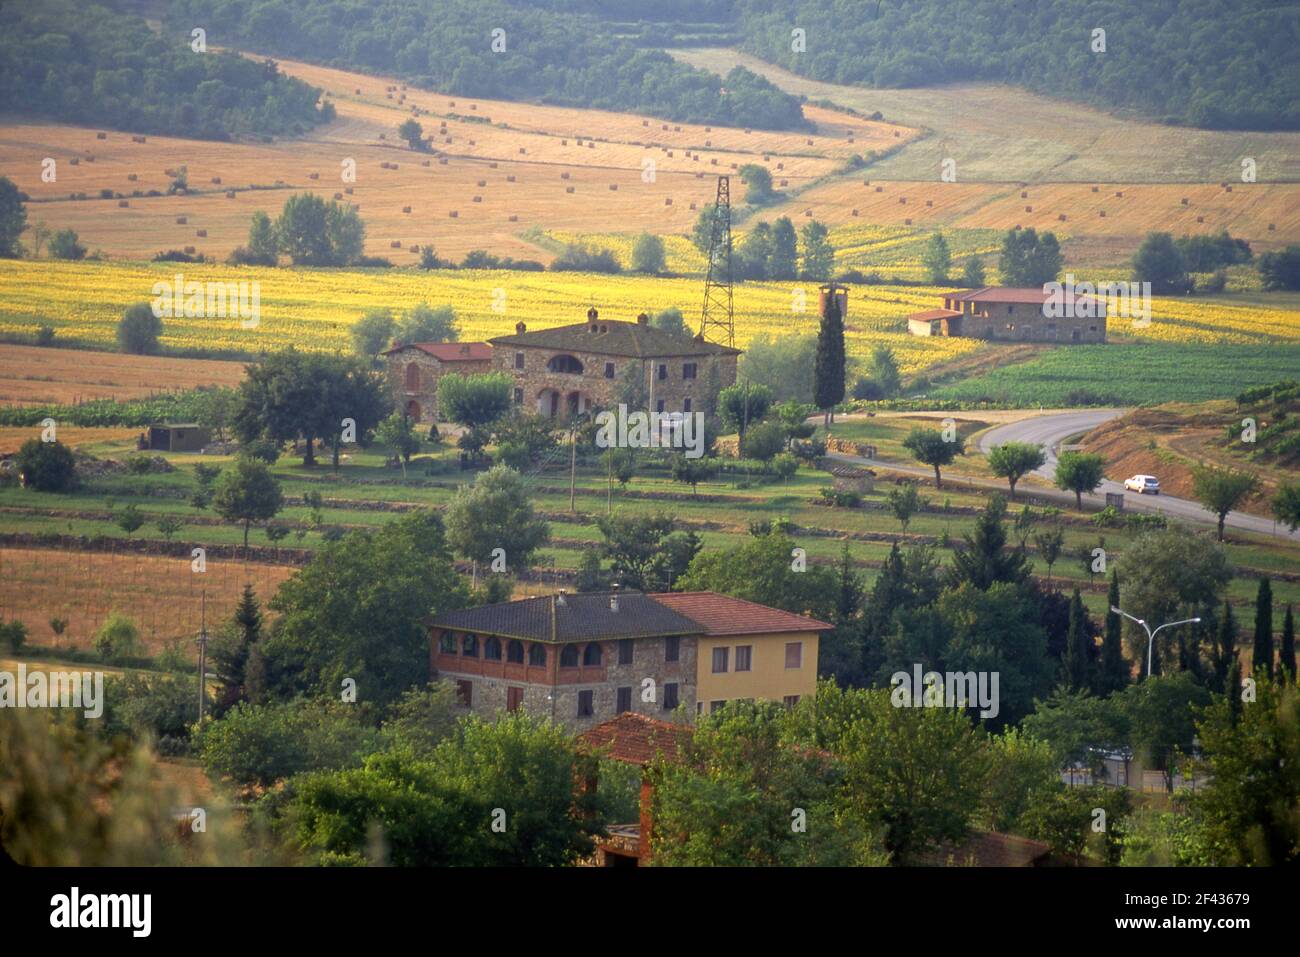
[(1101, 213), (897, 134), (713, 162), (123, 203), (1119, 194), (907, 222), (855, 212), (478, 199), (522, 150), (337, 197), (216, 181), (101, 136), (1096, 189), (137, 139), (131, 177), (668, 201), (74, 161), (929, 202), (202, 234), (413, 248), (645, 122), (1272, 226), (348, 190), (564, 176), (568, 189), (785, 182), (880, 189), (442, 161), (454, 214), (406, 209), (492, 165), (1200, 219), (1227, 189), (1029, 209), (190, 250), (482, 182), (424, 162), (1060, 218), (313, 175), (510, 178), (1023, 194), (613, 187), (395, 244), (182, 220), (1184, 200), (692, 205), (513, 219), (230, 194), (902, 201)]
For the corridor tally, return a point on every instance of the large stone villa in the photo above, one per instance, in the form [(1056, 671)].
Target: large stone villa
[(570, 369), (1008, 314), (581, 659)]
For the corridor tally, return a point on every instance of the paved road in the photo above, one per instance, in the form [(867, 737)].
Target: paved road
[(1049, 431)]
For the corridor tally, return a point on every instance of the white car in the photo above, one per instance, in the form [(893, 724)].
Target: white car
[(1142, 484)]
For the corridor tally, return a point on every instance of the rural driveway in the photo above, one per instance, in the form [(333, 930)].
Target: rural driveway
[(1050, 431)]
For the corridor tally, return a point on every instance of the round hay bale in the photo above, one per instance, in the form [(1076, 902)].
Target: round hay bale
[(131, 177), (668, 201), (406, 209), (101, 136), (454, 214), (123, 203), (202, 234), (230, 194), (568, 189), (513, 219), (478, 199), (395, 244), (182, 220)]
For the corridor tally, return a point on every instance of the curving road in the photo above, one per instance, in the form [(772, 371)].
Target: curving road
[(1051, 430)]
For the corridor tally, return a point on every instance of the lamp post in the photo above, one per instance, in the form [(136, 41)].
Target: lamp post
[(1151, 635)]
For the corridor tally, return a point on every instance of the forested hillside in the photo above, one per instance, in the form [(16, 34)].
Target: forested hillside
[(88, 64), (1197, 62), (541, 56)]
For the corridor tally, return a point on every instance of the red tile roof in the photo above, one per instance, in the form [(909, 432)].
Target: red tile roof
[(1035, 295), (724, 615), (451, 351), (989, 849), (935, 314), (636, 739)]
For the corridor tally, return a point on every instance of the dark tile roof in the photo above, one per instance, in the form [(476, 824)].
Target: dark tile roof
[(618, 339), (723, 615), (988, 849), (582, 617)]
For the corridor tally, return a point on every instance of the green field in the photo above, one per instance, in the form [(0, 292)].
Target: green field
[(1131, 374)]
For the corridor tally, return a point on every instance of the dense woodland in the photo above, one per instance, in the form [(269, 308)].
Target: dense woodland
[(1195, 62), (89, 64), (554, 58)]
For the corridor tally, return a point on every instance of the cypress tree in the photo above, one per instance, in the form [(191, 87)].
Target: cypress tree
[(1286, 664), (1263, 653), (1233, 689), (231, 652), (1225, 647), (1114, 669), (1076, 649), (828, 367)]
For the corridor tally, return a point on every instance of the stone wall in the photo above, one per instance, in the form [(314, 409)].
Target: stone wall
[(1025, 322), (561, 700), (541, 390), (425, 394)]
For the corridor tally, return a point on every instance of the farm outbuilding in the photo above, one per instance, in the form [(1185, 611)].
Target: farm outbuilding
[(177, 437)]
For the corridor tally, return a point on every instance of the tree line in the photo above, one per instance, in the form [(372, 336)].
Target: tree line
[(96, 66)]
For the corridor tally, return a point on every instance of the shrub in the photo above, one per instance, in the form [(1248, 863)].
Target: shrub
[(117, 639), (47, 466), (45, 336), (13, 635), (64, 245), (138, 330)]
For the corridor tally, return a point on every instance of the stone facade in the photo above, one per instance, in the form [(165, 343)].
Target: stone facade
[(554, 691), (1010, 315), (414, 371)]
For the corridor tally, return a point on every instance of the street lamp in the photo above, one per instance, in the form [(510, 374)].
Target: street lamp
[(1151, 635)]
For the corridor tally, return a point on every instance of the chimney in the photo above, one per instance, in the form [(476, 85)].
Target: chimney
[(613, 599), (841, 295), (520, 328), (643, 320)]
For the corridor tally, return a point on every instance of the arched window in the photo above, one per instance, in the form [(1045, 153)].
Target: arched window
[(591, 656), (413, 377), (537, 655), (569, 656), (565, 363), (492, 649), (515, 652), (469, 646)]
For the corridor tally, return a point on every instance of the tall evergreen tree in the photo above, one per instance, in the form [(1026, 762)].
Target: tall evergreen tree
[(1076, 648), (828, 369), (984, 560), (1263, 653), (1225, 648), (1114, 669), (1286, 661), (231, 652)]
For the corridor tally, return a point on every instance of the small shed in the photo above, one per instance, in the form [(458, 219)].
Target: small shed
[(850, 479), (177, 437)]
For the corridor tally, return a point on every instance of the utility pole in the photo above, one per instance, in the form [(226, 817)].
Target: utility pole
[(203, 655)]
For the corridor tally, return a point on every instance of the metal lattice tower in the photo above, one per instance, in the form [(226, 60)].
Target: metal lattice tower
[(718, 317)]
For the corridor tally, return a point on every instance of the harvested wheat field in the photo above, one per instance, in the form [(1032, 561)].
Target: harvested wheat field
[(492, 171), (1068, 209), (31, 375), (159, 593)]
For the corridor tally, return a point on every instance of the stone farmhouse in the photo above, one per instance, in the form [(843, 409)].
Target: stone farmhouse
[(1005, 314), (582, 659), (414, 371), (570, 370)]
